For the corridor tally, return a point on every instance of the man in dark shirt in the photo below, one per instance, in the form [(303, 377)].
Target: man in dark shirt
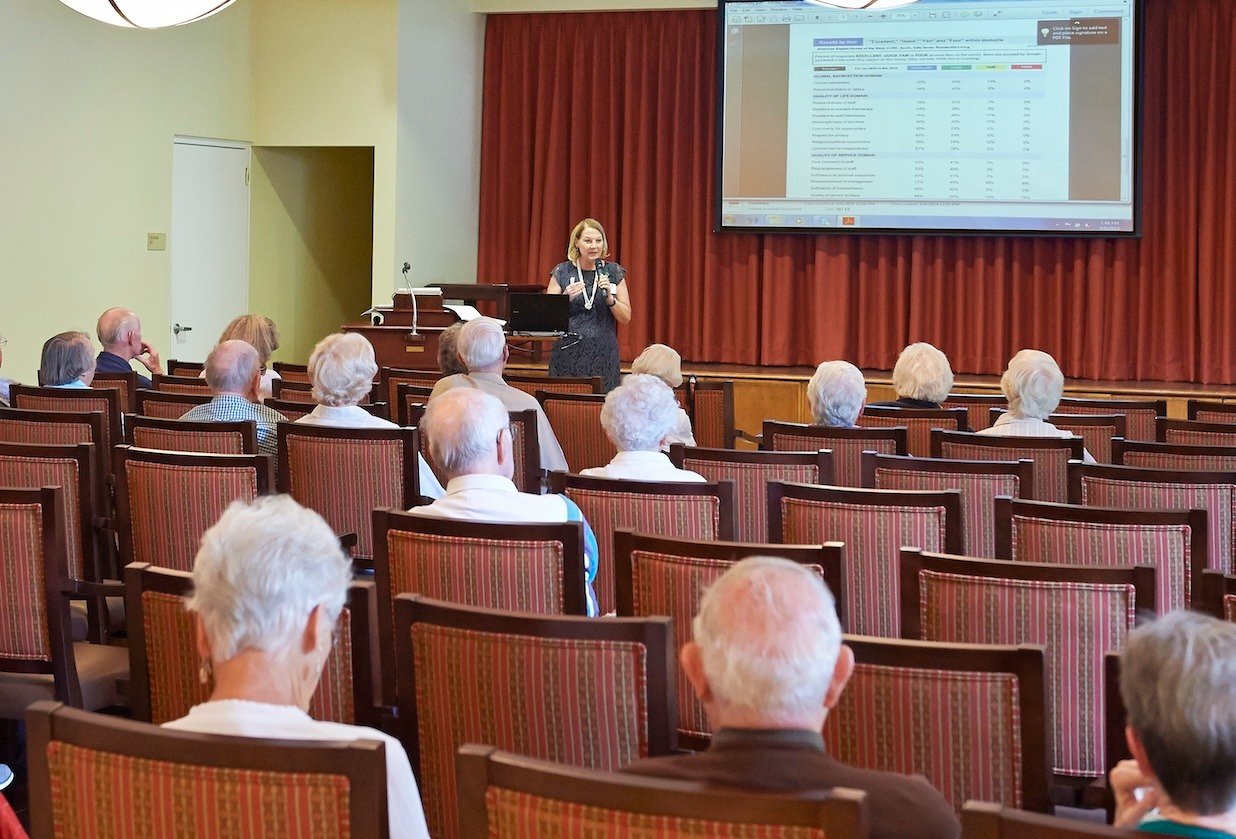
[(768, 664), (120, 333)]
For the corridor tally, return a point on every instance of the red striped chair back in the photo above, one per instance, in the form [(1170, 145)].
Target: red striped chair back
[(1218, 595), (873, 524), (191, 385), (1200, 410), (165, 501), (1173, 456), (175, 367), (1195, 433), (160, 405), (292, 410), (503, 796), (918, 423), (1097, 431), (750, 472), (1173, 542), (982, 735), (1051, 456), (62, 428), (411, 401), (704, 512), (710, 404), (981, 820), (1140, 414), (605, 686), (978, 481), (105, 402), (978, 406), (576, 422), (1077, 613), (289, 372), (390, 378), (526, 447), (846, 444), (175, 435), (530, 383), (97, 774), (656, 575), (286, 390), (125, 385)]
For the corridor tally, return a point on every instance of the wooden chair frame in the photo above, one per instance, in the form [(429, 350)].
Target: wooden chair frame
[(1117, 422), (982, 820), (93, 421), (290, 390), (406, 396), (811, 432), (1112, 406), (123, 383), (146, 396), (959, 416), (545, 396), (1164, 426), (247, 429), (291, 372), (1075, 446), (1194, 407), (390, 378), (176, 367), (531, 479), (292, 410), (694, 386), (535, 382), (112, 429), (1215, 587), (977, 405), (1122, 447), (187, 385), (723, 491)]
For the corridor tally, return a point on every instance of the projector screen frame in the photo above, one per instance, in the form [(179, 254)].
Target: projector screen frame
[(1139, 58)]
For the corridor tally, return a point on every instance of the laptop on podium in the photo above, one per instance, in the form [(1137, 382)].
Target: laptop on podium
[(538, 315)]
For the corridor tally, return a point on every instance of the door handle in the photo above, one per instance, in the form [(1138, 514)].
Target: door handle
[(177, 329)]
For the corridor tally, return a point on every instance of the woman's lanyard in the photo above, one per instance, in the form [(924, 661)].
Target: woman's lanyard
[(579, 272)]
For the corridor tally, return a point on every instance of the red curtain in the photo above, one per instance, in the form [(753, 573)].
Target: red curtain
[(612, 115)]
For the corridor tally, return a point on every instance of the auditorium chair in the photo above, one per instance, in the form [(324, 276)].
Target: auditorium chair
[(160, 405), (125, 384), (918, 423), (970, 718), (1165, 489), (1214, 412), (596, 693), (983, 820), (526, 449), (1051, 456), (704, 512), (1140, 414), (192, 385), (175, 367), (63, 428), (1218, 595), (165, 666), (1195, 433), (507, 796), (1096, 430), (165, 501), (1173, 542), (656, 575), (1078, 613), (205, 437), (296, 391), (344, 474), (390, 378), (873, 524), (576, 422), (289, 372), (408, 399), (978, 481), (530, 383), (96, 775), (846, 444), (710, 405), (105, 402), (38, 657), (291, 410), (978, 406), (750, 472), (1173, 456)]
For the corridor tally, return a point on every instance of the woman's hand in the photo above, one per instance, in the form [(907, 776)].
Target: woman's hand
[(1135, 794), (574, 289)]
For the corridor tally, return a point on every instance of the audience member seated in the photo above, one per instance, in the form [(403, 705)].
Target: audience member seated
[(448, 350), (269, 583), (4, 383), (1178, 681), (837, 394), (234, 375), (483, 351), (120, 333), (1033, 385), (469, 437), (342, 367), (767, 662), (68, 361), (259, 332), (638, 417), (922, 378), (666, 364)]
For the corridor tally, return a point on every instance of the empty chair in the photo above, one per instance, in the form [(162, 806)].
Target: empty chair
[(984, 820), (101, 775), (1195, 433), (1218, 595), (978, 406), (292, 410), (750, 472), (1140, 414), (105, 402), (62, 428), (918, 423), (408, 396), (177, 435), (846, 444), (1203, 411), (710, 404), (290, 372), (125, 385), (176, 367), (1051, 456), (603, 690), (978, 481), (295, 391), (576, 422), (190, 385), (1173, 542), (526, 449), (160, 405), (390, 378), (503, 796), (1173, 456), (532, 382)]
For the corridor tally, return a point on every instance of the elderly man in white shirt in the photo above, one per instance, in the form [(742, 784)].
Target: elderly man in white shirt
[(469, 436), (483, 350), (638, 416), (1033, 386)]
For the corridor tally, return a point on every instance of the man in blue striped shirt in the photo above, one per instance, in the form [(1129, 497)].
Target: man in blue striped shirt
[(234, 375)]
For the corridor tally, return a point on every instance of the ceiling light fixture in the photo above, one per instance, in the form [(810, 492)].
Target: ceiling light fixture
[(148, 14)]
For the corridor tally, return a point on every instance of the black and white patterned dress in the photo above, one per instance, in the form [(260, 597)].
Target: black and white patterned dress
[(595, 351)]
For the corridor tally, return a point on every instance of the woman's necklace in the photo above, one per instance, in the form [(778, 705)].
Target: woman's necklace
[(588, 299)]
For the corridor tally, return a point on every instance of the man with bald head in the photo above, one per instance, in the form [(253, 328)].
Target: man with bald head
[(767, 662), (469, 439), (120, 333), (234, 375)]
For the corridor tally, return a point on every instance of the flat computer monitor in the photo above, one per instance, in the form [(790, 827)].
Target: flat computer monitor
[(539, 313)]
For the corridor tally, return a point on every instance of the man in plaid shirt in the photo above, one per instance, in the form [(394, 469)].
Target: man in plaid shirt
[(234, 374)]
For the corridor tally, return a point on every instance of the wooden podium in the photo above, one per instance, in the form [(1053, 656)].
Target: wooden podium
[(394, 342)]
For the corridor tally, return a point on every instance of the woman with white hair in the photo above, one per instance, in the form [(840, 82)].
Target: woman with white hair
[(666, 364), (922, 378), (1033, 386), (269, 583), (837, 394), (638, 416), (67, 361)]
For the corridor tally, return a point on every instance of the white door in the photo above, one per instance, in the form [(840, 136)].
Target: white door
[(209, 241)]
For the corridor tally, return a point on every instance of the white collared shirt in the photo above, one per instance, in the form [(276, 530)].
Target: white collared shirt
[(1009, 425), (643, 466)]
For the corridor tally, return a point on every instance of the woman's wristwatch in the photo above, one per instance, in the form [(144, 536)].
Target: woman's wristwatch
[(613, 300)]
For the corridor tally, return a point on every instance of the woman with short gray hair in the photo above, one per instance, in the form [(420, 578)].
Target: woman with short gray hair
[(922, 378), (638, 416), (837, 394), (665, 363), (67, 361), (1033, 386)]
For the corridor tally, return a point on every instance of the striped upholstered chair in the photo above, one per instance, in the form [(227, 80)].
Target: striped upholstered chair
[(1173, 456), (979, 482), (1195, 433), (1173, 542), (190, 385), (1202, 411), (603, 687), (1140, 414), (292, 410), (390, 378), (290, 372), (506, 796), (977, 405), (1051, 456), (105, 402), (92, 774), (302, 392), (704, 512), (1078, 613), (176, 367), (918, 423), (161, 405), (530, 383), (410, 402), (125, 385), (1096, 485), (576, 421), (710, 405), (165, 501), (1218, 595), (1098, 431), (664, 576), (846, 444), (750, 472), (164, 665), (982, 734), (983, 820), (874, 524), (176, 435)]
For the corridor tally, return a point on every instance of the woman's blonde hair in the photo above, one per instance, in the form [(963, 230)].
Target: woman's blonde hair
[(258, 331), (661, 361), (573, 245)]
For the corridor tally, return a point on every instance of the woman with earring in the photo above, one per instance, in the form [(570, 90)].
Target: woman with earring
[(599, 302), (269, 584)]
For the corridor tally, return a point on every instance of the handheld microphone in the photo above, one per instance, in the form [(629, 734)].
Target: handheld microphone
[(605, 292)]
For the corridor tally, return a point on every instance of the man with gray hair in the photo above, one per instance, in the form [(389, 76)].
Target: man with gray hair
[(120, 333), (234, 375), (837, 394), (469, 438), (483, 351), (638, 417), (767, 662), (1178, 681)]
